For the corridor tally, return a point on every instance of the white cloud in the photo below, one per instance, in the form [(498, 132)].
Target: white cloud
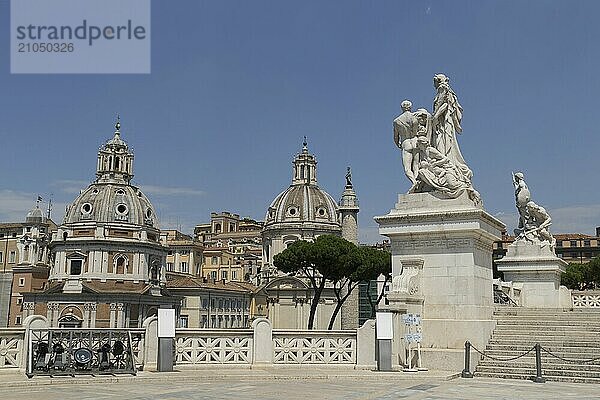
[(15, 205), (70, 186), (171, 191)]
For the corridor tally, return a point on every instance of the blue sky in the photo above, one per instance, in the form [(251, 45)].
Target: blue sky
[(235, 85)]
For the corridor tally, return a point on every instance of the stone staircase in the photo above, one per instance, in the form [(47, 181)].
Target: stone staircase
[(573, 335)]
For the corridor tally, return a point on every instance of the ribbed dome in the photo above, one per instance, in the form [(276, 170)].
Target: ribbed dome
[(35, 216), (105, 202), (303, 203)]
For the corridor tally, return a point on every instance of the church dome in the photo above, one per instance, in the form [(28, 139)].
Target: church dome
[(114, 203), (35, 216), (303, 201), (111, 197)]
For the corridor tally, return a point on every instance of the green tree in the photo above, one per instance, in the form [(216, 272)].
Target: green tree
[(582, 276), (574, 276), (324, 259), (373, 264), (343, 276)]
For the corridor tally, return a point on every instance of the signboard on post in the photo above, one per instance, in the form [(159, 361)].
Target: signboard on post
[(383, 325), (166, 323)]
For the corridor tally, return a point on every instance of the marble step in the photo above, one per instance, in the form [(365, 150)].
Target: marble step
[(530, 371), (547, 343), (546, 333), (576, 357), (527, 310), (530, 363), (503, 375)]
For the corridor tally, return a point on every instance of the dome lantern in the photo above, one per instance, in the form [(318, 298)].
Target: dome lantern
[(305, 167), (115, 160)]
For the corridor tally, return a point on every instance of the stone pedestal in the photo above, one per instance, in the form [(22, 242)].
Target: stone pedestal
[(535, 267), (442, 269)]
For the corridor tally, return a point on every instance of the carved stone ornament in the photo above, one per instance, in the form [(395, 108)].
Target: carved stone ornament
[(428, 141)]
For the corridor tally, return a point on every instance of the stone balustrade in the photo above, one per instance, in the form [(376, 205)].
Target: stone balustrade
[(314, 347), (260, 345), (11, 347), (586, 299), (213, 346)]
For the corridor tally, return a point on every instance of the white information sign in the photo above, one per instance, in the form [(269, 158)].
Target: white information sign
[(166, 323), (383, 321)]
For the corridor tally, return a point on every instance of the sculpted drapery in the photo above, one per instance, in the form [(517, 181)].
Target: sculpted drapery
[(430, 153)]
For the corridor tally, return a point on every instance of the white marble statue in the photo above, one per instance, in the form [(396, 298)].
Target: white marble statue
[(430, 154), (534, 220)]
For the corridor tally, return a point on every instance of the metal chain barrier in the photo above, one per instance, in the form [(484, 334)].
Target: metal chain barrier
[(570, 361), (466, 373), (503, 359)]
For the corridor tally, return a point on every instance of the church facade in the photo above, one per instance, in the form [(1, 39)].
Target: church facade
[(109, 258), (304, 211)]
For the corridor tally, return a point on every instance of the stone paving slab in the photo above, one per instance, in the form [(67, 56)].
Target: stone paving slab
[(253, 384)]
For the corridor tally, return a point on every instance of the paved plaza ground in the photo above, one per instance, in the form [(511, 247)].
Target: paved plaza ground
[(267, 385)]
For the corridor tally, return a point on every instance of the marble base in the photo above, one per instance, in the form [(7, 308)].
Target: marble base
[(536, 268), (452, 240)]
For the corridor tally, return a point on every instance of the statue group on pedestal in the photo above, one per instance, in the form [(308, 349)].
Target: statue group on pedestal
[(534, 220), (430, 154)]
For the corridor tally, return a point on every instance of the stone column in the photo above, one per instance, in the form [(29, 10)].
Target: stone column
[(28, 309), (93, 307), (113, 315), (120, 315)]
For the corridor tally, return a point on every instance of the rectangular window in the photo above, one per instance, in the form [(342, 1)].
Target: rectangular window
[(19, 301), (573, 243), (18, 320), (213, 275), (223, 274), (203, 322), (183, 321), (184, 267), (213, 260), (76, 267), (205, 303), (170, 266), (586, 243), (184, 302), (12, 257), (21, 282), (1, 257), (233, 275)]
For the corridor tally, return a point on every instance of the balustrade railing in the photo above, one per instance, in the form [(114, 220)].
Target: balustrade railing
[(314, 347), (213, 346), (11, 347), (586, 299), (62, 351)]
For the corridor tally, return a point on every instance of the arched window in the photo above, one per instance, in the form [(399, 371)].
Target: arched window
[(120, 265)]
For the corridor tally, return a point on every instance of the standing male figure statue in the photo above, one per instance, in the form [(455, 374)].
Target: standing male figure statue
[(522, 197), (406, 128)]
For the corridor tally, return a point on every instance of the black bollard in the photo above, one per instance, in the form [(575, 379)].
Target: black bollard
[(466, 373), (538, 365)]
